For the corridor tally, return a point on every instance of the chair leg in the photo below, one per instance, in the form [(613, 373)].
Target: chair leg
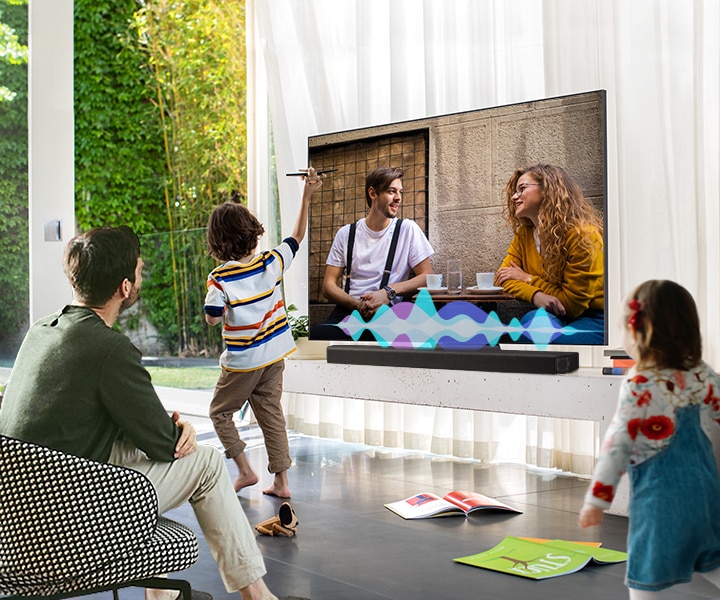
[(185, 590)]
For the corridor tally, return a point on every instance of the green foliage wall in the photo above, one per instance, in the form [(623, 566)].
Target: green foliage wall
[(120, 169), (14, 283), (196, 49), (160, 140)]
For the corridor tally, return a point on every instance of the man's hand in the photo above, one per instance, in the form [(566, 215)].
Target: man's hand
[(374, 300), (187, 443), (549, 303), (366, 312)]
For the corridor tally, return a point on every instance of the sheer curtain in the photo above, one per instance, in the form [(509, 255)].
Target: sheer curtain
[(318, 66)]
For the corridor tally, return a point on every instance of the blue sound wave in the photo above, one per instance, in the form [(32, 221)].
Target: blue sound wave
[(456, 325)]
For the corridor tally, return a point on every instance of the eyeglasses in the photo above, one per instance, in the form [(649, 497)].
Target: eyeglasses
[(522, 187)]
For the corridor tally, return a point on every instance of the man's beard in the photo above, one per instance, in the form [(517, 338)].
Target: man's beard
[(390, 214), (131, 299)]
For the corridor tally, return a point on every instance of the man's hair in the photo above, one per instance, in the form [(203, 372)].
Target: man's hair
[(98, 261), (664, 317), (380, 179), (232, 232)]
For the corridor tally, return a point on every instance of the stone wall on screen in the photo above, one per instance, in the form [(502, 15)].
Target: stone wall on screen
[(456, 167)]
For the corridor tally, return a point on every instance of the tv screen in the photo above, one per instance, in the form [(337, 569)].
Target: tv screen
[(463, 178)]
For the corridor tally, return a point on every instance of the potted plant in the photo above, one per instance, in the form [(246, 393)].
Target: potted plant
[(306, 349), (298, 325)]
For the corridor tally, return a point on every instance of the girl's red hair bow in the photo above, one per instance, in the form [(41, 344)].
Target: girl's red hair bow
[(635, 320)]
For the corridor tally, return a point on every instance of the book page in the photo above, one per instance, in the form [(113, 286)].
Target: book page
[(516, 556), (421, 506), (469, 501)]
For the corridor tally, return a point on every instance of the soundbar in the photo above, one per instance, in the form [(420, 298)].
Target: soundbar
[(483, 359)]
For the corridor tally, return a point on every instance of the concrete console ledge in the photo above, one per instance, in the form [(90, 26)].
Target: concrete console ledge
[(585, 394)]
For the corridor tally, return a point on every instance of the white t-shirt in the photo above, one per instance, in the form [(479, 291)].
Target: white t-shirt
[(370, 251)]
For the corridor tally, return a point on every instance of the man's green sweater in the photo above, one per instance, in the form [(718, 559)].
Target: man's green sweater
[(78, 385)]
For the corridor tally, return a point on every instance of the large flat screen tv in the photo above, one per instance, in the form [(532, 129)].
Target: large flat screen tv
[(456, 168)]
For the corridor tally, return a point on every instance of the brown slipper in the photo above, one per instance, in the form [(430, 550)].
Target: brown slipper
[(284, 524), (267, 527), (287, 516)]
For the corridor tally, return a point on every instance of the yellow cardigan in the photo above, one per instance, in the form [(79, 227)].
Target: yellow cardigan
[(583, 281)]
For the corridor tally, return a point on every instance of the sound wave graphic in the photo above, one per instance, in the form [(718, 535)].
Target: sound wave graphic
[(456, 325)]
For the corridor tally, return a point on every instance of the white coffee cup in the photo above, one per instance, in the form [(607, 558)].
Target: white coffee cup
[(485, 280), (434, 281)]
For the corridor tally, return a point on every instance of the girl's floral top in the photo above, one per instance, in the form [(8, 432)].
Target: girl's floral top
[(644, 421)]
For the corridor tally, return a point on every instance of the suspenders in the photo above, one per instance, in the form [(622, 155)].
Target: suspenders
[(388, 262)]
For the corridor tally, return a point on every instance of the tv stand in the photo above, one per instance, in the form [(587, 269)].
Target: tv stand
[(585, 394), (483, 359)]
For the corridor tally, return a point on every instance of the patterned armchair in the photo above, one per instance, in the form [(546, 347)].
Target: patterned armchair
[(71, 526)]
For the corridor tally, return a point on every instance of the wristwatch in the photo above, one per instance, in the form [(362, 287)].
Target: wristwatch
[(391, 293)]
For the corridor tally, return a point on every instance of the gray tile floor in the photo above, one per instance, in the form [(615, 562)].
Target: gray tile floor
[(349, 547)]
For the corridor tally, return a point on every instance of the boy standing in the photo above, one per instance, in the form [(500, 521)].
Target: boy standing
[(245, 291)]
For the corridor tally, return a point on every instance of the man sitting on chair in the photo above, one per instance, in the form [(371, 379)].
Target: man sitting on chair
[(79, 386)]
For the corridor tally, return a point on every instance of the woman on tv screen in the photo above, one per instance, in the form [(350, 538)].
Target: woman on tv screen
[(555, 259)]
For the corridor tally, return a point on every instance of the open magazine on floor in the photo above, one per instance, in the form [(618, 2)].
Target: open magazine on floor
[(541, 559), (427, 504)]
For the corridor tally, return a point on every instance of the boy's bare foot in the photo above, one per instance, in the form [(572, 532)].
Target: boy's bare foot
[(245, 481), (280, 492), (280, 486), (246, 475)]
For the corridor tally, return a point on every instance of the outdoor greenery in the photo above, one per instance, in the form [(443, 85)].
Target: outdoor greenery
[(160, 139), (162, 142), (120, 171), (189, 378), (298, 325), (14, 282)]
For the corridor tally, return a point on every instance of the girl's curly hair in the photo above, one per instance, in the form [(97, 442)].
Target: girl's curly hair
[(563, 208), (232, 232)]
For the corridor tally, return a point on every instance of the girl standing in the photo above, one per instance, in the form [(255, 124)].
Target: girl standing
[(657, 436)]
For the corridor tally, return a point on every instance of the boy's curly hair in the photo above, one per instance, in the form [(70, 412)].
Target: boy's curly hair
[(232, 232), (563, 208)]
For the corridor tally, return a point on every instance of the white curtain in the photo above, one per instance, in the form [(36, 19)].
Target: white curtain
[(327, 65)]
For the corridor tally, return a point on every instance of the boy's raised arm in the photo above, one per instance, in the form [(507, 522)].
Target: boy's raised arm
[(313, 182)]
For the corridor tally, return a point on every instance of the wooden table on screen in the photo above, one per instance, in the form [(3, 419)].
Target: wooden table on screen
[(469, 296)]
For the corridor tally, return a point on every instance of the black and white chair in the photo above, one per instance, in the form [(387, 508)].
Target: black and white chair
[(71, 526)]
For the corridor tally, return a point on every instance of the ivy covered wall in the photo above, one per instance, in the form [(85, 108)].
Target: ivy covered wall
[(160, 139), (120, 166), (14, 285)]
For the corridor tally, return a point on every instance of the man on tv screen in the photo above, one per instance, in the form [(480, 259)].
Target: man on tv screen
[(378, 260)]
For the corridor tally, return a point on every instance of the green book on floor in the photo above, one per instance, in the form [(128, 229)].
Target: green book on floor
[(541, 560)]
